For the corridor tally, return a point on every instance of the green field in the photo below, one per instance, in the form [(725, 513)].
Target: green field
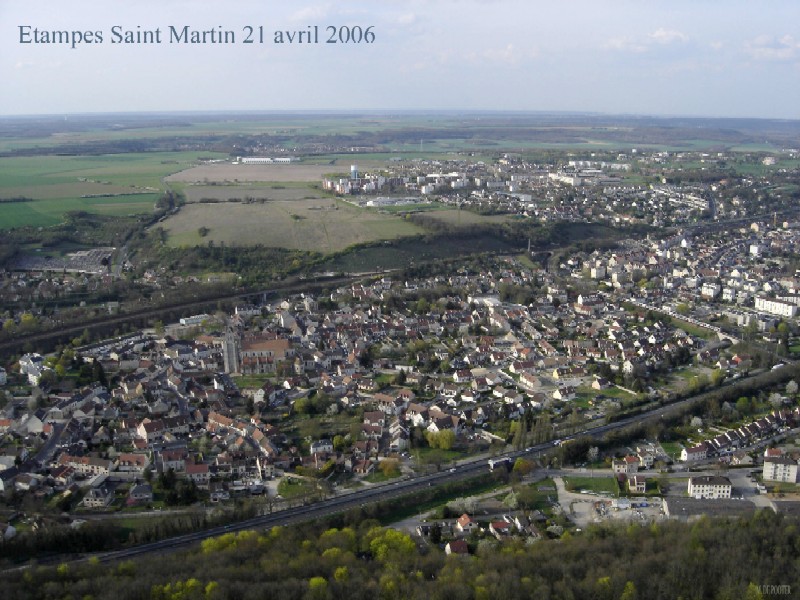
[(117, 185), (321, 225), (593, 484), (44, 213)]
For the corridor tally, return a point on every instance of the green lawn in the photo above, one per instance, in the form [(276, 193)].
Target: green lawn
[(593, 484), (673, 449), (535, 498), (294, 487), (251, 381), (693, 329)]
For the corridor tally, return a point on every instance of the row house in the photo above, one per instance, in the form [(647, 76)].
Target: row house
[(629, 465), (399, 436), (88, 466), (171, 458), (132, 463), (199, 473)]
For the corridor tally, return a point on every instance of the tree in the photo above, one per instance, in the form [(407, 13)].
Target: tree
[(317, 587), (522, 467), (446, 439), (436, 533), (629, 593), (743, 406), (98, 373), (390, 467), (753, 592), (791, 388)]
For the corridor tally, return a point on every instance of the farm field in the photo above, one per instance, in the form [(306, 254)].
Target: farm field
[(230, 173), (226, 193), (116, 185), (44, 213), (321, 225)]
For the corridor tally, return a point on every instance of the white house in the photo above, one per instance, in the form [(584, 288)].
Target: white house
[(695, 453)]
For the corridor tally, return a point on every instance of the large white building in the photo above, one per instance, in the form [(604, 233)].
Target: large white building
[(780, 308), (710, 487), (266, 160), (780, 468)]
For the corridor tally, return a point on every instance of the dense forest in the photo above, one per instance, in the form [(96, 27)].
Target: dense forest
[(708, 559)]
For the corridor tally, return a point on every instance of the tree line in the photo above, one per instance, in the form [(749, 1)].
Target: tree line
[(710, 559)]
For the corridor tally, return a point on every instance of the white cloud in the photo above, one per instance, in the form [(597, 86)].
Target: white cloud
[(625, 44), (769, 48), (406, 19), (32, 64), (661, 37), (508, 55), (667, 36), (311, 13)]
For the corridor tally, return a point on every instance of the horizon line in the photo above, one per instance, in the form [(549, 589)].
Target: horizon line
[(390, 112)]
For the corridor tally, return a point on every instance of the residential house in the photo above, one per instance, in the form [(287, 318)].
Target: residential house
[(132, 463), (500, 529), (465, 524), (98, 497), (627, 466), (637, 484), (695, 453), (456, 547), (199, 473), (140, 494)]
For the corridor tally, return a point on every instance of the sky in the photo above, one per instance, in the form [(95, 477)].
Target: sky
[(714, 58)]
